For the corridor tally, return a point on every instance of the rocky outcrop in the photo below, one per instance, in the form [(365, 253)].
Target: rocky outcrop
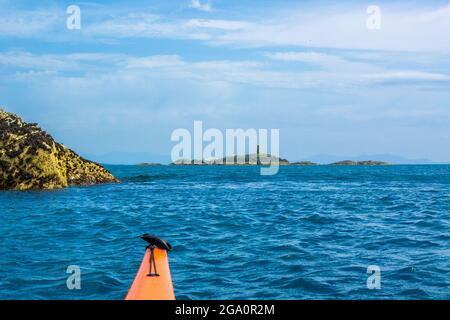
[(359, 163), (304, 163), (248, 159), (31, 160)]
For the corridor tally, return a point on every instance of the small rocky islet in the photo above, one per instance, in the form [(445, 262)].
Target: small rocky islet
[(248, 159), (272, 159), (304, 163), (146, 164), (30, 159), (359, 163)]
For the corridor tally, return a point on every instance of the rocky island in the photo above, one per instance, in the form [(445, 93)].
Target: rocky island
[(265, 159), (359, 163), (30, 159), (304, 163), (252, 159), (246, 160)]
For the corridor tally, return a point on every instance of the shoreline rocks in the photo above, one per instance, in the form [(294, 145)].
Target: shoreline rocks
[(30, 159)]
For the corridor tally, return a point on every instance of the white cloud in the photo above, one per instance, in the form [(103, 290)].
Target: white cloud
[(20, 59), (197, 4), (334, 73), (140, 25), (226, 25), (157, 61), (402, 29), (344, 68), (29, 23), (325, 60), (87, 66), (408, 75), (59, 62)]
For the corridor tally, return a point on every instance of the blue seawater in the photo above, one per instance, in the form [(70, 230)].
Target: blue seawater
[(305, 233)]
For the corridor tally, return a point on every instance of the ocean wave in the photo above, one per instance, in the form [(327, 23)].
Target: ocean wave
[(302, 234)]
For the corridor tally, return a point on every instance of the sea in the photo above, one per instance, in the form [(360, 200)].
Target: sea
[(308, 232)]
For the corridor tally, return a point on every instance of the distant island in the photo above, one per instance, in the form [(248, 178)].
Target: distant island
[(282, 162), (248, 159), (149, 164), (304, 163), (359, 163), (267, 159)]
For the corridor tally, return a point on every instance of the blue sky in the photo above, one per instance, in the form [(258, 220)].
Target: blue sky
[(136, 71)]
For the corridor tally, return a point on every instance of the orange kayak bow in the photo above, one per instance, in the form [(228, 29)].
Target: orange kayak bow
[(153, 280)]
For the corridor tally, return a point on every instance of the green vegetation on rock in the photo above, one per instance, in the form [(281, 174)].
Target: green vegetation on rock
[(31, 160)]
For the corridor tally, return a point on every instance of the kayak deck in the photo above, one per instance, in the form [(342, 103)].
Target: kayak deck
[(146, 287)]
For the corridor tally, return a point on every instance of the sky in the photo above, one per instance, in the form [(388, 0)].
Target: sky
[(137, 70)]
